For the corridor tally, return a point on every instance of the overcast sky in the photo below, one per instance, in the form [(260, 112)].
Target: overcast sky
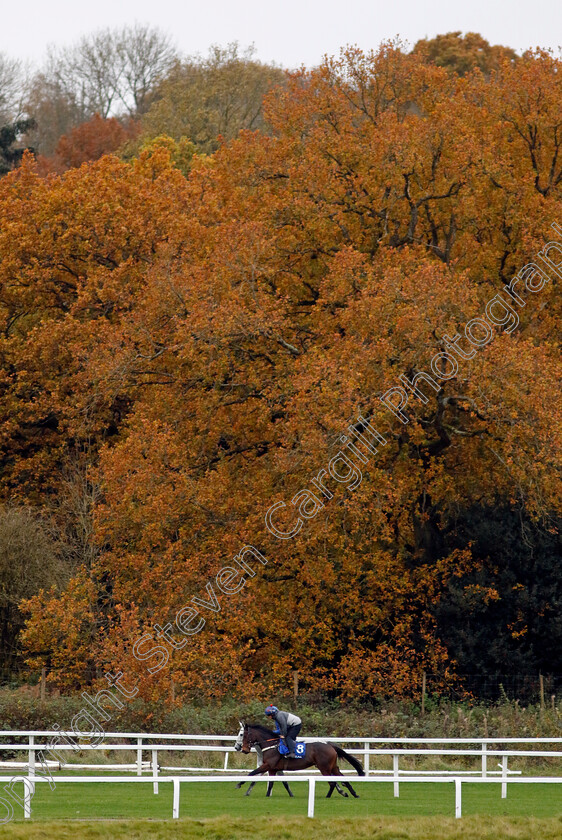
[(289, 32)]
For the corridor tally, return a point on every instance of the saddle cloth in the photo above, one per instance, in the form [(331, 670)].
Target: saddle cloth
[(300, 749)]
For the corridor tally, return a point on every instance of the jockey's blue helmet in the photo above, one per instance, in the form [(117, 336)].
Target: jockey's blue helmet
[(271, 710)]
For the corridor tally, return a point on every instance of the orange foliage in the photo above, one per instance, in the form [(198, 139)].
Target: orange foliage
[(89, 141), (212, 337)]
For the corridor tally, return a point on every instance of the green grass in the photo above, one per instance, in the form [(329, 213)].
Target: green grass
[(212, 800)]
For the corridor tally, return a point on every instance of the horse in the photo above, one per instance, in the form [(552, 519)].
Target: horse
[(238, 747), (324, 756)]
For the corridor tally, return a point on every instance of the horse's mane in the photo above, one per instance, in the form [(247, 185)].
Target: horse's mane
[(263, 729)]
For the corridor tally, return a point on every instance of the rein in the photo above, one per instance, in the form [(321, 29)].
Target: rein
[(267, 741)]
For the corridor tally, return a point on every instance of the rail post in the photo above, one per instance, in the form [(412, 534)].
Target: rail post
[(31, 762), (311, 787), (176, 805), (155, 770), (395, 765), (458, 799), (504, 777), (139, 756), (366, 757), (484, 760), (27, 794)]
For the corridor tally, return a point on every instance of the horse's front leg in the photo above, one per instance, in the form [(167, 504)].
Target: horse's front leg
[(261, 769), (270, 784), (286, 785)]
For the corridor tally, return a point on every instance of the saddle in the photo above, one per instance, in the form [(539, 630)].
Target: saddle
[(300, 749)]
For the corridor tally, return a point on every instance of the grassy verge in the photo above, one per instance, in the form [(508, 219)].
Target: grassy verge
[(294, 828)]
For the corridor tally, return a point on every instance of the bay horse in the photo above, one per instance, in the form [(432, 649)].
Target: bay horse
[(324, 756)]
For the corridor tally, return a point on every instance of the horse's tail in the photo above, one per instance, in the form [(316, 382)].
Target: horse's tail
[(351, 758)]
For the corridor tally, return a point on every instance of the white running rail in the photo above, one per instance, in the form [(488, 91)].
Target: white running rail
[(484, 750), (177, 781)]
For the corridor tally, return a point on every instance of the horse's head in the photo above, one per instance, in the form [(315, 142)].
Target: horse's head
[(244, 742), (240, 740)]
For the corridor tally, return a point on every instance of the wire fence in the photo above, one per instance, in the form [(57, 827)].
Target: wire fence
[(543, 689), (528, 689)]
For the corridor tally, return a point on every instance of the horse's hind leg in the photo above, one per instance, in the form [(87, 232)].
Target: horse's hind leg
[(333, 784), (248, 792), (350, 789), (337, 772), (337, 787)]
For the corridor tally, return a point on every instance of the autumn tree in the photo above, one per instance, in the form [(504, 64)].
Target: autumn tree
[(219, 95), (107, 229), (111, 72), (55, 109), (30, 560), (91, 140), (217, 335), (462, 53)]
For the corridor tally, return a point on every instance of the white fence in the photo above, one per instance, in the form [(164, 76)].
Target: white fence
[(177, 781), (484, 749), (498, 751)]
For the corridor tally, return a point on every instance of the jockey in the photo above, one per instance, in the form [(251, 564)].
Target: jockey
[(288, 725)]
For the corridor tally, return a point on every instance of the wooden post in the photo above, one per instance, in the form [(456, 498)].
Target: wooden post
[(541, 686), (295, 685), (423, 693), (553, 702), (43, 681)]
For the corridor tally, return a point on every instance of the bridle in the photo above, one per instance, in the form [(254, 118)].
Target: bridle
[(256, 741)]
